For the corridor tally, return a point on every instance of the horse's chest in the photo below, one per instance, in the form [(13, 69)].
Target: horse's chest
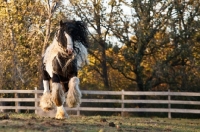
[(64, 65)]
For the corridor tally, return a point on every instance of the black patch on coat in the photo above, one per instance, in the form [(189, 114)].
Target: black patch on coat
[(59, 63)]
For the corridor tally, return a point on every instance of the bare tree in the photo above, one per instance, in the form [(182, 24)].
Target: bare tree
[(99, 19)]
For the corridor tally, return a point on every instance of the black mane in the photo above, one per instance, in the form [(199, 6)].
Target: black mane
[(76, 29)]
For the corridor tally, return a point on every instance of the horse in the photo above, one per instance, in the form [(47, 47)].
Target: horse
[(60, 64)]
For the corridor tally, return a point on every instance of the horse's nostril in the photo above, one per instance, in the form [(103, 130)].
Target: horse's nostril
[(70, 51)]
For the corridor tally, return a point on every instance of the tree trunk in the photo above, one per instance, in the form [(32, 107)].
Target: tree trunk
[(14, 70), (104, 68), (102, 44)]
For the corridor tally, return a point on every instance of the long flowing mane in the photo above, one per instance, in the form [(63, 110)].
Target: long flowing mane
[(76, 29)]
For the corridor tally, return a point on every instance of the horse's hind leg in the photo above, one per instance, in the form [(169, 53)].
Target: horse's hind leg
[(74, 94), (58, 96)]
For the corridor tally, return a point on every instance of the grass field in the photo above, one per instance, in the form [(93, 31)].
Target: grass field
[(12, 122)]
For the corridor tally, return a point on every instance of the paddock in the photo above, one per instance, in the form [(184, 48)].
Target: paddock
[(31, 122)]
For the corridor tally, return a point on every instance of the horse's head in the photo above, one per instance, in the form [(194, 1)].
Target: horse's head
[(71, 31)]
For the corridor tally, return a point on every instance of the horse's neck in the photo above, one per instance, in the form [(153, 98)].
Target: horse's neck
[(52, 51)]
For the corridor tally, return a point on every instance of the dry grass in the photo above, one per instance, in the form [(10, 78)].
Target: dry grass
[(13, 122)]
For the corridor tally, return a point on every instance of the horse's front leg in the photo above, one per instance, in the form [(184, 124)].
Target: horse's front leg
[(58, 97), (46, 80), (61, 113), (46, 102), (46, 86)]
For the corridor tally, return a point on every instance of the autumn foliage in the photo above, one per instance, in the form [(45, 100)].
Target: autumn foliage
[(155, 46)]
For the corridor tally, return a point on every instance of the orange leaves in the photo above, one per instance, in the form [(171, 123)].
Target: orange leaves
[(158, 35)]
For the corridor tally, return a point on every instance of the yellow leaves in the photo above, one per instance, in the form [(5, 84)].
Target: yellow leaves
[(75, 1), (133, 39), (159, 35), (21, 60), (197, 37), (3, 14), (123, 47), (92, 60), (110, 53), (112, 2), (120, 57)]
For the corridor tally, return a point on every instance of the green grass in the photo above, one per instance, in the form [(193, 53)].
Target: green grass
[(32, 123)]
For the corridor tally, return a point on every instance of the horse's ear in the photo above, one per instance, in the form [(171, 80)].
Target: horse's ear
[(61, 23)]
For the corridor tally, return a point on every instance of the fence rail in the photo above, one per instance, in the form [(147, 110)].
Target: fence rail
[(121, 101)]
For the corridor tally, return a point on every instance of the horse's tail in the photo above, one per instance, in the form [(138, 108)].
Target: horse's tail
[(74, 94)]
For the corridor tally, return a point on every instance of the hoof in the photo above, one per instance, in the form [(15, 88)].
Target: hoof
[(61, 113), (46, 103)]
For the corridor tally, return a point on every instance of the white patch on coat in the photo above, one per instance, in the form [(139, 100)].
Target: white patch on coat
[(69, 42), (46, 86), (49, 55)]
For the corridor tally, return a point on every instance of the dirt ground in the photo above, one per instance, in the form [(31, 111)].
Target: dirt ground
[(13, 122)]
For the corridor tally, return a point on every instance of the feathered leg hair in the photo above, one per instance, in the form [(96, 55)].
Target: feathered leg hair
[(46, 103), (74, 94), (58, 96)]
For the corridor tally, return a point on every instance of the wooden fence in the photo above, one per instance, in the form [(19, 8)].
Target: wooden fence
[(122, 101)]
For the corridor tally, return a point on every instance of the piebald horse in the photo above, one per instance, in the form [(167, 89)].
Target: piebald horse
[(61, 62)]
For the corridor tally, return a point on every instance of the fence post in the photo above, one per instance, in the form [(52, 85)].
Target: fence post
[(78, 110), (122, 104), (169, 104), (17, 104), (36, 102)]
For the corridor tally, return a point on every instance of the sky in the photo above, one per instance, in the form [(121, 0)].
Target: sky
[(127, 10)]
